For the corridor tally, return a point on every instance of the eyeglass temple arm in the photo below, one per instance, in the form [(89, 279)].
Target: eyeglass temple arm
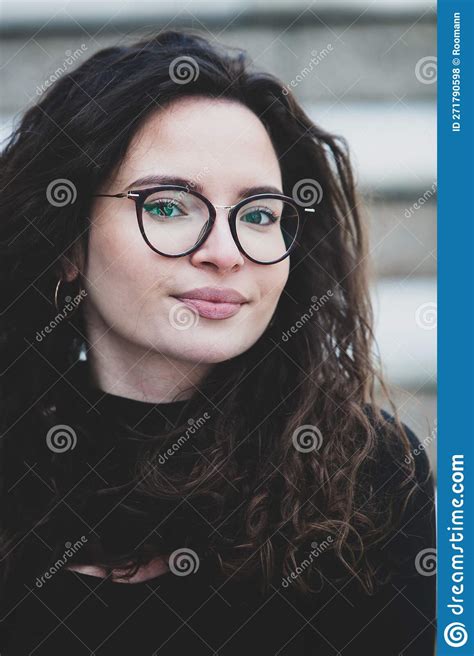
[(128, 194), (111, 195)]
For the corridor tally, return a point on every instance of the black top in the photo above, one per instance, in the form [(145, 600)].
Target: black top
[(79, 614)]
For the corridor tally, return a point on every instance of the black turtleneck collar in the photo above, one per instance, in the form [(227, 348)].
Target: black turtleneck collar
[(140, 415)]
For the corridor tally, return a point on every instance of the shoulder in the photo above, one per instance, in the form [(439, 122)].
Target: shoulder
[(398, 448), (404, 481)]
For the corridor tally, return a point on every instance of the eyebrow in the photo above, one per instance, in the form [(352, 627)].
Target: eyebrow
[(183, 182)]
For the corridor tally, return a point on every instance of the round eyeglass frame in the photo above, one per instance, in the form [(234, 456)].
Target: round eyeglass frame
[(139, 196)]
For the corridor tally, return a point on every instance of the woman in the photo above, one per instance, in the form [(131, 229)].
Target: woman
[(192, 457)]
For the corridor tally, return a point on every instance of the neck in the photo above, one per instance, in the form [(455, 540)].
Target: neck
[(123, 368)]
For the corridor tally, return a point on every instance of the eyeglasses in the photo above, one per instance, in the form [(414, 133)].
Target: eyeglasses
[(175, 221)]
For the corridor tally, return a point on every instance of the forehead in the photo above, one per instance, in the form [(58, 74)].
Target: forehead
[(211, 140)]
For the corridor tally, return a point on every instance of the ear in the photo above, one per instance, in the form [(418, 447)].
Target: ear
[(72, 263)]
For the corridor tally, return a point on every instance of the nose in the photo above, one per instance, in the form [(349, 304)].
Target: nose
[(219, 251)]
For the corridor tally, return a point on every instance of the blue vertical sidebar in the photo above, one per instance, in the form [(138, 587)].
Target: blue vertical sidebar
[(455, 329)]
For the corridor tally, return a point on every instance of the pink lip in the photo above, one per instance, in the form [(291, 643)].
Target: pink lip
[(212, 302)]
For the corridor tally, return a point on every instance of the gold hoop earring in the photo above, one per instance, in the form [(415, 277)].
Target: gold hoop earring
[(68, 298)]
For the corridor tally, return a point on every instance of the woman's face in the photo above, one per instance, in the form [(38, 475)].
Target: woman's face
[(132, 291)]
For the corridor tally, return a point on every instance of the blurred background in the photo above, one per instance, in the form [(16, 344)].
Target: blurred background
[(363, 69)]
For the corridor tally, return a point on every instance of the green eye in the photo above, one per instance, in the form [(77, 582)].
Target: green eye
[(259, 217), (162, 209)]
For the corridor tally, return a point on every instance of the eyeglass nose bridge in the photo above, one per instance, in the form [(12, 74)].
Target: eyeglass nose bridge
[(229, 209), (233, 231), (225, 207)]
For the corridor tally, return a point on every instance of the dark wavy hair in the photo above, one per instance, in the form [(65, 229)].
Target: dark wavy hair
[(266, 499)]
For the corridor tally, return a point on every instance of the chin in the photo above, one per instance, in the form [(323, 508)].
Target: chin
[(208, 351)]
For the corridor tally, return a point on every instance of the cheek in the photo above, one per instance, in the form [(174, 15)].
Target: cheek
[(120, 268), (114, 243), (272, 282)]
